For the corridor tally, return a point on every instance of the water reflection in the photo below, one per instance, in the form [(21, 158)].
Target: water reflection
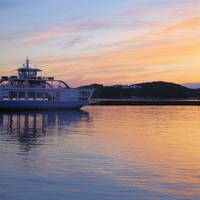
[(29, 127), (111, 153)]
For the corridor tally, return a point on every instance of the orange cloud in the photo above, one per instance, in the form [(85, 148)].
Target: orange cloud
[(189, 24), (166, 50), (44, 36), (168, 62)]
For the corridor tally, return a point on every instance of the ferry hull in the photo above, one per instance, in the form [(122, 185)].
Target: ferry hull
[(41, 105)]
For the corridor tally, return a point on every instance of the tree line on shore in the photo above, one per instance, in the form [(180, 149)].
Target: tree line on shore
[(152, 90)]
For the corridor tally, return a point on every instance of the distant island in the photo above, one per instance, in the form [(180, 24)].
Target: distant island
[(150, 90)]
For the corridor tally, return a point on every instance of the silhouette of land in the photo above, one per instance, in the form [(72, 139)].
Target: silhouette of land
[(150, 93)]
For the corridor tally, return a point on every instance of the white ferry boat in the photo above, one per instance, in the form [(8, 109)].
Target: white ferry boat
[(30, 91)]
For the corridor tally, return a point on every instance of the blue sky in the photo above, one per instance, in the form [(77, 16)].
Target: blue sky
[(107, 41)]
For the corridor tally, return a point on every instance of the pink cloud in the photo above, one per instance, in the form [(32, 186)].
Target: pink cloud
[(64, 30)]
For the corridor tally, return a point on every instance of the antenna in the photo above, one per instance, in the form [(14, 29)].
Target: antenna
[(27, 62)]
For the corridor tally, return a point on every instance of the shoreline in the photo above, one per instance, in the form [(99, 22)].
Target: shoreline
[(125, 102)]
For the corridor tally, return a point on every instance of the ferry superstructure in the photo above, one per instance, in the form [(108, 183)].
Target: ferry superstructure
[(30, 91)]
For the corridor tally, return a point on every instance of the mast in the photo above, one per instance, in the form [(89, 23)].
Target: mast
[(27, 62), (27, 72)]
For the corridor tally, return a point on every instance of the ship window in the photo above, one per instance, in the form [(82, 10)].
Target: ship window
[(32, 84), (39, 95), (48, 96), (13, 95), (5, 98), (31, 95), (22, 95), (19, 83), (22, 84)]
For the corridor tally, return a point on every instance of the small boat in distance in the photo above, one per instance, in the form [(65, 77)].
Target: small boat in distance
[(30, 91)]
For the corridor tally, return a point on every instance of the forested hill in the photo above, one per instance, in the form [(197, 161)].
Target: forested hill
[(151, 90)]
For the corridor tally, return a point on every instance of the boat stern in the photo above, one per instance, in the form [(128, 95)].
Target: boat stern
[(86, 94)]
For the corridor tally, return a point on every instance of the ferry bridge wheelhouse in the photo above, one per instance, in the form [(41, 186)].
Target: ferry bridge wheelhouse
[(28, 86)]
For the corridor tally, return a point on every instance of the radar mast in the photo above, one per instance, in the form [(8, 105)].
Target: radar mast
[(27, 62)]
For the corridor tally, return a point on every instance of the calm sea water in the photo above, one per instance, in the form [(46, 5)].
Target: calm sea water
[(142, 153)]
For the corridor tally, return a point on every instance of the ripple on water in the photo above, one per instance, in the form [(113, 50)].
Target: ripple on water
[(101, 153)]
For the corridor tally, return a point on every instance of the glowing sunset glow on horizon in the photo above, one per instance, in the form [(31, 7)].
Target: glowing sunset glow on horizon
[(98, 41)]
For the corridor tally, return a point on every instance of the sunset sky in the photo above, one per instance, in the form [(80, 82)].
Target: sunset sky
[(103, 41)]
